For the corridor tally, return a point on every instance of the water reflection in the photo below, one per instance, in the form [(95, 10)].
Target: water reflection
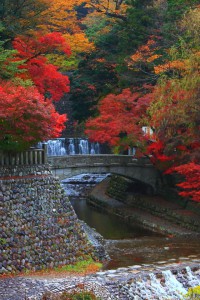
[(110, 227)]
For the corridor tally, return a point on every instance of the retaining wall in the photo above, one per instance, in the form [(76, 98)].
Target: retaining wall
[(38, 226), (156, 205)]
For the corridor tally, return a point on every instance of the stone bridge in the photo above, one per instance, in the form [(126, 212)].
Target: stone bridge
[(125, 165)]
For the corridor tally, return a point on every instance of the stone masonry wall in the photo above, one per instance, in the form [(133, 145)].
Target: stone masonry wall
[(38, 226), (117, 187), (19, 171), (186, 217)]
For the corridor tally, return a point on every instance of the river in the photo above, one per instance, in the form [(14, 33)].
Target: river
[(126, 245)]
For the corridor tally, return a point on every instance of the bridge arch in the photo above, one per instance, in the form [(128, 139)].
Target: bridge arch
[(128, 166)]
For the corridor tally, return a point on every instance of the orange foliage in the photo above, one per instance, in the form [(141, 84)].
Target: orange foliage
[(114, 7), (60, 16), (176, 64), (146, 53), (79, 42), (153, 57)]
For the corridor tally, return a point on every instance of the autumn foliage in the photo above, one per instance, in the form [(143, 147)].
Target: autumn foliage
[(27, 113), (26, 117), (170, 108), (36, 67), (191, 183), (119, 121)]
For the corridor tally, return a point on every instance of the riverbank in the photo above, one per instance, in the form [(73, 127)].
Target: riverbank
[(157, 215), (126, 245)]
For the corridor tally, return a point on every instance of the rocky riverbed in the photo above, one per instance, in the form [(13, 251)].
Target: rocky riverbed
[(137, 282)]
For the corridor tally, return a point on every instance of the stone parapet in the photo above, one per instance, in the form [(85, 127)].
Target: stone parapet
[(59, 162), (32, 156)]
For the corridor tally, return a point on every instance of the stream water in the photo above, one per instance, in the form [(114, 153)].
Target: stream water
[(126, 245)]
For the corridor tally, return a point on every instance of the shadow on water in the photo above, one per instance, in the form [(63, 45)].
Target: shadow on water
[(128, 245), (109, 226)]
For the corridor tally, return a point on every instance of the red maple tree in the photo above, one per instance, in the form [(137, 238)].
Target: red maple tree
[(26, 117), (119, 119), (191, 183), (36, 67)]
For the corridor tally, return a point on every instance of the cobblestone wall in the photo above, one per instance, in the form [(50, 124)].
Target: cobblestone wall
[(38, 226), (19, 171)]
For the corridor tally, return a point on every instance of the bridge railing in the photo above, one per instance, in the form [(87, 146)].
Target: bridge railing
[(97, 160), (30, 157)]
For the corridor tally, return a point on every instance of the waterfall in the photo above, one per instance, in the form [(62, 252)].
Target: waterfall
[(131, 151), (156, 288), (94, 148), (71, 146), (83, 147), (191, 279), (173, 286), (56, 147), (151, 287), (162, 285)]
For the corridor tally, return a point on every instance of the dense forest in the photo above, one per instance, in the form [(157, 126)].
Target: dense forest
[(128, 65)]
